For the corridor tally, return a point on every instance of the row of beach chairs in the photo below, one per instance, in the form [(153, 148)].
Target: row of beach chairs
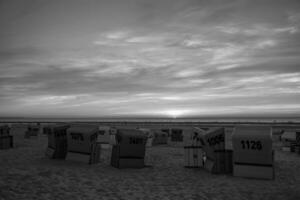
[(250, 155), (291, 141), (83, 143)]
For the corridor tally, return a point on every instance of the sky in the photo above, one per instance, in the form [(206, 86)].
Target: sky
[(154, 58)]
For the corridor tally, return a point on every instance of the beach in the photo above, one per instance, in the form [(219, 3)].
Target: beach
[(26, 173)]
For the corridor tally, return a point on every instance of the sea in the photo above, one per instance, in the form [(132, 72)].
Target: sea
[(161, 120)]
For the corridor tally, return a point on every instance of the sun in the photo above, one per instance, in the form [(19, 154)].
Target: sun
[(175, 113)]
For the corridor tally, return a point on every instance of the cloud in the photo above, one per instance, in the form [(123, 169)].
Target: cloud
[(116, 35), (150, 57), (48, 99), (20, 52), (266, 44), (145, 39), (291, 30)]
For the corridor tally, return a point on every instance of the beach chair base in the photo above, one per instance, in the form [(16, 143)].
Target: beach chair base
[(251, 171), (221, 163), (88, 158), (193, 156), (128, 163), (79, 157), (56, 153)]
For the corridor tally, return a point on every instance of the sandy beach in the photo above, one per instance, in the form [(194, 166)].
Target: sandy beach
[(27, 174)]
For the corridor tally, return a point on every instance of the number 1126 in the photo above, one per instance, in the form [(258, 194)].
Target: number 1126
[(254, 145)]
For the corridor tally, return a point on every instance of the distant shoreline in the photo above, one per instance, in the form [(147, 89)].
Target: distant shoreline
[(153, 123), (291, 119)]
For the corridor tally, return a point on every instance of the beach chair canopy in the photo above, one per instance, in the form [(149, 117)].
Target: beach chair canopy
[(194, 137), (197, 133), (55, 133), (130, 136), (4, 130), (252, 145), (213, 140), (104, 130), (81, 137), (160, 134), (33, 127), (148, 132), (104, 134), (177, 135)]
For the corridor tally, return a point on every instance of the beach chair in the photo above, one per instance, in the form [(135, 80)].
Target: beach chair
[(176, 137), (218, 159), (6, 140), (297, 147), (253, 156), (159, 137), (32, 131), (298, 137), (166, 130), (150, 136), (104, 135), (57, 141), (82, 144), (4, 130), (193, 152), (129, 151)]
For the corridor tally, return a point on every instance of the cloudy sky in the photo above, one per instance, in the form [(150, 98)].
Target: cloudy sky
[(176, 58)]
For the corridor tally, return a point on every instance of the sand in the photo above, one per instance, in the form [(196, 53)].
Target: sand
[(25, 173)]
